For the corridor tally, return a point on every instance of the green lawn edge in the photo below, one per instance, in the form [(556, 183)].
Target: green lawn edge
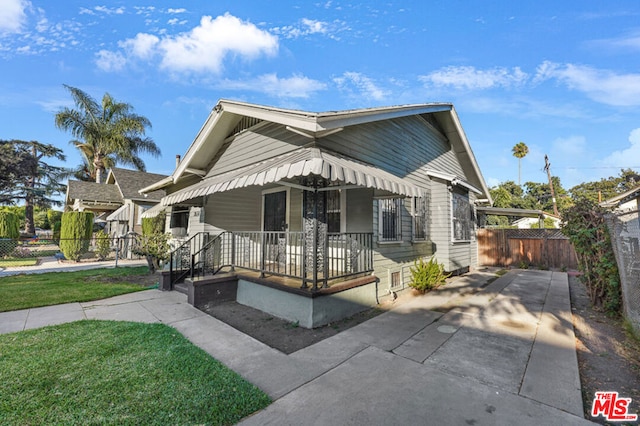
[(111, 372), (25, 291)]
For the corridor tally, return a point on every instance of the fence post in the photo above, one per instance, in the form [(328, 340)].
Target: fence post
[(117, 250)]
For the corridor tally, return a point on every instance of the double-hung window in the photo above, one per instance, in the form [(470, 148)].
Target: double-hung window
[(333, 211), (390, 219), (419, 214), (462, 217)]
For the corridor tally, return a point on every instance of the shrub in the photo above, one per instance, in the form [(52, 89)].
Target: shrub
[(75, 234), (9, 231), (586, 228), (426, 276), (154, 243), (103, 245)]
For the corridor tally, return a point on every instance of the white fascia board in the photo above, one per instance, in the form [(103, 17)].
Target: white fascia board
[(158, 185), (469, 151), (200, 139)]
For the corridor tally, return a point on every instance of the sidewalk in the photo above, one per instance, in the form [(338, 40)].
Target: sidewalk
[(503, 355), (51, 264)]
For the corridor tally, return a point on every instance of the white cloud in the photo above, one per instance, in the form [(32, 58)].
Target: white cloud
[(296, 86), (205, 47), (109, 11), (630, 41), (364, 85), (13, 15), (628, 157), (110, 61), (470, 78), (141, 46), (311, 26), (570, 147), (181, 10), (201, 50), (602, 86)]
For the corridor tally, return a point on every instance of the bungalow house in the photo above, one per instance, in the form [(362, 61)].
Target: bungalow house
[(314, 216), (117, 201)]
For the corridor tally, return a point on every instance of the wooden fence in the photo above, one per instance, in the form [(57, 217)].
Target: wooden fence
[(545, 248)]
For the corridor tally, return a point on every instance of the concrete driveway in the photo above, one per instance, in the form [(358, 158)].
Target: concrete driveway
[(470, 353)]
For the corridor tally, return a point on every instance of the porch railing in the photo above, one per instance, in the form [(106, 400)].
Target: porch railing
[(287, 254), (180, 259)]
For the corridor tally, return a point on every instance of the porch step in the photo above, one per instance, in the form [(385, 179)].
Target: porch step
[(181, 288)]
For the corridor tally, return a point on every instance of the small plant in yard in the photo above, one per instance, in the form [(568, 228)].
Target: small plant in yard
[(426, 276), (103, 245), (21, 252)]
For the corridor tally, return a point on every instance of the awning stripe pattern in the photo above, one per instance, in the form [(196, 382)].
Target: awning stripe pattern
[(153, 211), (299, 163), (119, 215)]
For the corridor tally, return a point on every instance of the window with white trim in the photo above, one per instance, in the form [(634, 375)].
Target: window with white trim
[(462, 217), (419, 218), (390, 219)]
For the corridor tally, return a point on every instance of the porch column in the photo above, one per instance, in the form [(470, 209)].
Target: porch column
[(315, 232)]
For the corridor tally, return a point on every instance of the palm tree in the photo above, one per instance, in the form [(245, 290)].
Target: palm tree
[(106, 134), (520, 150)]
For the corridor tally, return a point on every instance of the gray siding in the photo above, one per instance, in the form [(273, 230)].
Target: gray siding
[(401, 146), (359, 210), (239, 210), (260, 143)]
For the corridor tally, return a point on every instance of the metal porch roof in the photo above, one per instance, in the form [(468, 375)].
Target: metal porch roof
[(302, 162)]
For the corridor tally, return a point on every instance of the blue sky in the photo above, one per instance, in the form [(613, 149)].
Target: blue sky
[(561, 76)]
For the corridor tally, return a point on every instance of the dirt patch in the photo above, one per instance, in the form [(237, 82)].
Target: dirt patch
[(608, 359), (277, 333)]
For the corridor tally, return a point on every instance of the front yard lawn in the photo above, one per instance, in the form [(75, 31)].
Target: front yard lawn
[(53, 288), (106, 372)]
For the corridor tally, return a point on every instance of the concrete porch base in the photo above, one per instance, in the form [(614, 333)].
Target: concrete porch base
[(312, 309), (307, 309)]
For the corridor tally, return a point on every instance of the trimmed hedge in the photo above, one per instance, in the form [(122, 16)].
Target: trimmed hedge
[(75, 234)]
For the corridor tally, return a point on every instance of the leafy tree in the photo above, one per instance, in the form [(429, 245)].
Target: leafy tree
[(538, 195), (37, 181), (520, 150), (606, 187), (9, 171), (106, 134)]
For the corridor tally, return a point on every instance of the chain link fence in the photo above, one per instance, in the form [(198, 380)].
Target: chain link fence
[(27, 252), (624, 228)]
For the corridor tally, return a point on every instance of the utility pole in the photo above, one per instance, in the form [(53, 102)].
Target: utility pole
[(547, 168)]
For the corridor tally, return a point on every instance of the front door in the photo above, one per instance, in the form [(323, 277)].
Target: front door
[(275, 219), (275, 211)]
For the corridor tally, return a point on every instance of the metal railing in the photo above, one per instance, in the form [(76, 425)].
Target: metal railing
[(180, 259), (287, 254)]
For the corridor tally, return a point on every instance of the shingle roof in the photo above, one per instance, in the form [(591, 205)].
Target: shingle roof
[(131, 181), (91, 191)]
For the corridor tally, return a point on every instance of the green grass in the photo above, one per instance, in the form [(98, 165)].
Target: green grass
[(53, 288), (18, 261), (106, 372)]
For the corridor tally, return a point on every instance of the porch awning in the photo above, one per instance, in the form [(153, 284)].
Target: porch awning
[(153, 211), (302, 162), (120, 215)]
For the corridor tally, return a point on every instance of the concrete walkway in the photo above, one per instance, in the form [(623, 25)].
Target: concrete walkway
[(501, 355), (51, 264)]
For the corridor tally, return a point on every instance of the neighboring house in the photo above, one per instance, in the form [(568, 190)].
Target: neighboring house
[(117, 201), (315, 203), (534, 222), (627, 201)]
